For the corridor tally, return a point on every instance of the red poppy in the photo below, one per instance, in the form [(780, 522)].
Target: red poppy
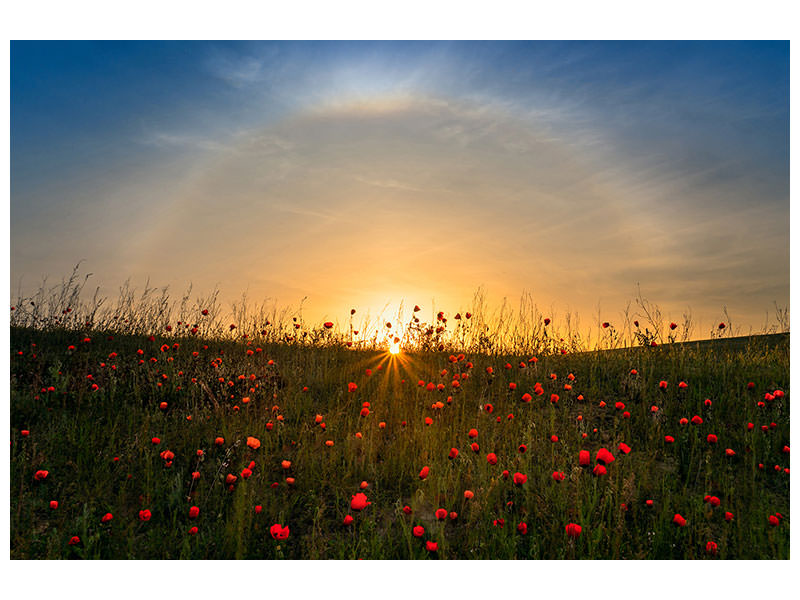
[(774, 521), (348, 519), (74, 540), (359, 502), (649, 503), (144, 515), (662, 385), (193, 531), (328, 324), (106, 518), (624, 448), (519, 478), (424, 472), (711, 438), (558, 475), (41, 475), (697, 420), (279, 532), (418, 531), (584, 458), (491, 458), (351, 387), (669, 439), (407, 509), (679, 520), (554, 438), (523, 528), (453, 453), (473, 433), (729, 516), (468, 494), (54, 504), (599, 470), (683, 385), (475, 447), (441, 514), (522, 449), (711, 548), (194, 512), (605, 324), (431, 546), (573, 530), (604, 456)]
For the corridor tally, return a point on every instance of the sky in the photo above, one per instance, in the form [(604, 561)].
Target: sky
[(356, 174)]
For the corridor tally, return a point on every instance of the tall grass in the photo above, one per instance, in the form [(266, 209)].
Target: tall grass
[(189, 389)]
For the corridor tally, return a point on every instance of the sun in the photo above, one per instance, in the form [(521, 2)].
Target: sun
[(394, 348)]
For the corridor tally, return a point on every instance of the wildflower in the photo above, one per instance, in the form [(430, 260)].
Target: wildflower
[(144, 515), (584, 458), (359, 502), (604, 456), (468, 494), (491, 458), (193, 530), (106, 518), (74, 540), (523, 528), (558, 476), (519, 478), (599, 470), (53, 504), (253, 443), (679, 520), (418, 531), (194, 512), (41, 475), (453, 453), (407, 509), (348, 519), (711, 438), (441, 514), (424, 472), (473, 433), (431, 546), (711, 547), (573, 530), (279, 532)]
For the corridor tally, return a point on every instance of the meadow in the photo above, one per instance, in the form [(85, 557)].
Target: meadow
[(147, 433)]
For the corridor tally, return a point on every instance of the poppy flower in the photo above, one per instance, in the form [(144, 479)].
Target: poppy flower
[(364, 485), (523, 528), (697, 420), (351, 387), (468, 494), (599, 470), (428, 421), (729, 516), (522, 449), (729, 452), (53, 504), (519, 478), (491, 458), (230, 479), (649, 503), (505, 474), (41, 475), (554, 438), (424, 472), (348, 519), (669, 439), (573, 530), (106, 518), (711, 438), (431, 546), (711, 548), (144, 515), (441, 514), (605, 324), (473, 433), (488, 408), (624, 448), (155, 441), (774, 521), (526, 397), (279, 532), (253, 443), (684, 421), (558, 476), (714, 501), (194, 512), (604, 456), (662, 385), (683, 385), (74, 540), (679, 520), (193, 530), (453, 453), (407, 509), (359, 502), (475, 447), (499, 523), (418, 531)]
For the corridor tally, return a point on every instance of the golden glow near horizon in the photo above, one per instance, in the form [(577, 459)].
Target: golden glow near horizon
[(394, 348)]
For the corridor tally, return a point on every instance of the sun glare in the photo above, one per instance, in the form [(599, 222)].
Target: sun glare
[(394, 348)]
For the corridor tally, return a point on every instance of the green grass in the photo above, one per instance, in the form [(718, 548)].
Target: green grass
[(76, 433)]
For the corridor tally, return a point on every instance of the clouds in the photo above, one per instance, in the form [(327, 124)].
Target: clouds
[(359, 174)]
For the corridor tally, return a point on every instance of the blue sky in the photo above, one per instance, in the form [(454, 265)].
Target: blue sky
[(574, 170)]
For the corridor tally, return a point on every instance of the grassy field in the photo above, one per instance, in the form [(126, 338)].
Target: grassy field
[(175, 447)]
